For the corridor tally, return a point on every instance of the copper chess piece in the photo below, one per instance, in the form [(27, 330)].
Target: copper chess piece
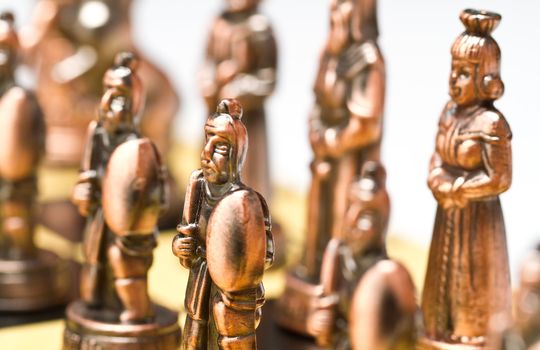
[(524, 334), (225, 241), (366, 301), (30, 278), (71, 43), (345, 132), (115, 311), (467, 280), (241, 63)]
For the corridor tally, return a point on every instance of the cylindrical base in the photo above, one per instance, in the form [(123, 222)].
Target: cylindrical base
[(294, 306), (430, 344), (86, 329), (32, 285)]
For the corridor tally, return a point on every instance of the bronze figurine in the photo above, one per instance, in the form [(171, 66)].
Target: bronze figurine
[(366, 301), (525, 333), (71, 43), (30, 278), (345, 132), (467, 280), (225, 241), (121, 191)]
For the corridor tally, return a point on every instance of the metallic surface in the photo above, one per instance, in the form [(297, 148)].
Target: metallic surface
[(225, 241), (345, 132), (467, 280)]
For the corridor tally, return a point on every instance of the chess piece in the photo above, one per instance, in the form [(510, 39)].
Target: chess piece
[(30, 278), (366, 301), (345, 132), (241, 63), (225, 241), (71, 44), (525, 333), (467, 279), (121, 315)]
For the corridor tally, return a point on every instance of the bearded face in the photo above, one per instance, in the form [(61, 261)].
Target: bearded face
[(216, 156)]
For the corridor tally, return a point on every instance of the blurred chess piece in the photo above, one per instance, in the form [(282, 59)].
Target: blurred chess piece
[(30, 278), (70, 44), (345, 132), (120, 313), (225, 241), (241, 63), (524, 333), (121, 191), (467, 280), (366, 301)]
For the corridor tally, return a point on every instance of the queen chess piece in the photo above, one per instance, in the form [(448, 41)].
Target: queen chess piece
[(345, 132), (225, 241), (31, 279), (467, 279)]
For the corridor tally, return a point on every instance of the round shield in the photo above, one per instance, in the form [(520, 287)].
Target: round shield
[(133, 188), (22, 134), (236, 242)]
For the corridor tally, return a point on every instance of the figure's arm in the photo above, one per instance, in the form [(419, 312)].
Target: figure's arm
[(495, 176), (365, 104), (84, 192)]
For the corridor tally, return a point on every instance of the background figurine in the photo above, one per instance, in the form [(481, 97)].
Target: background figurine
[(71, 44), (225, 241), (133, 192), (30, 278), (345, 132), (366, 301), (467, 280), (525, 333)]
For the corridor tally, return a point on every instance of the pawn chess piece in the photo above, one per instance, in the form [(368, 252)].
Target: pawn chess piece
[(366, 301), (225, 241), (467, 279), (525, 332), (121, 314), (30, 278), (345, 132)]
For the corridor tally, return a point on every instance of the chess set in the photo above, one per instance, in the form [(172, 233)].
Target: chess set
[(101, 105)]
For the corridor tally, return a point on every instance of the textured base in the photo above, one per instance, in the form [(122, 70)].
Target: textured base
[(295, 304), (429, 344), (85, 331), (31, 285)]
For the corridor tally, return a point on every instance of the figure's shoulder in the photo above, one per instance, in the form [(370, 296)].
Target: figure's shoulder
[(19, 94), (492, 122), (245, 202)]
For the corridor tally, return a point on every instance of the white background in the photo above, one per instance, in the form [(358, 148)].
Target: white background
[(416, 36)]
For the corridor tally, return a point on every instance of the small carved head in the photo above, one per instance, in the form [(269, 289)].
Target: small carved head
[(226, 143), (366, 219), (9, 44), (123, 96), (476, 60)]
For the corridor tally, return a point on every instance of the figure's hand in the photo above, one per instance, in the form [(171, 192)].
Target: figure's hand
[(82, 197), (320, 322), (447, 191), (184, 247)]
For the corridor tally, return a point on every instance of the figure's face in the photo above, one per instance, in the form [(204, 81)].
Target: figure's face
[(340, 17), (462, 82), (216, 154), (241, 5), (363, 230), (115, 108)]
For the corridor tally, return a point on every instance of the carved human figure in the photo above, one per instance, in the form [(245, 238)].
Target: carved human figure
[(225, 241), (367, 301), (467, 280), (22, 136), (241, 60), (345, 131), (117, 123), (70, 44), (524, 333)]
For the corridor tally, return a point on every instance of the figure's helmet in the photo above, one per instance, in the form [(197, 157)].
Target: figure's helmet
[(9, 42), (227, 121), (366, 219), (123, 97), (476, 45)]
